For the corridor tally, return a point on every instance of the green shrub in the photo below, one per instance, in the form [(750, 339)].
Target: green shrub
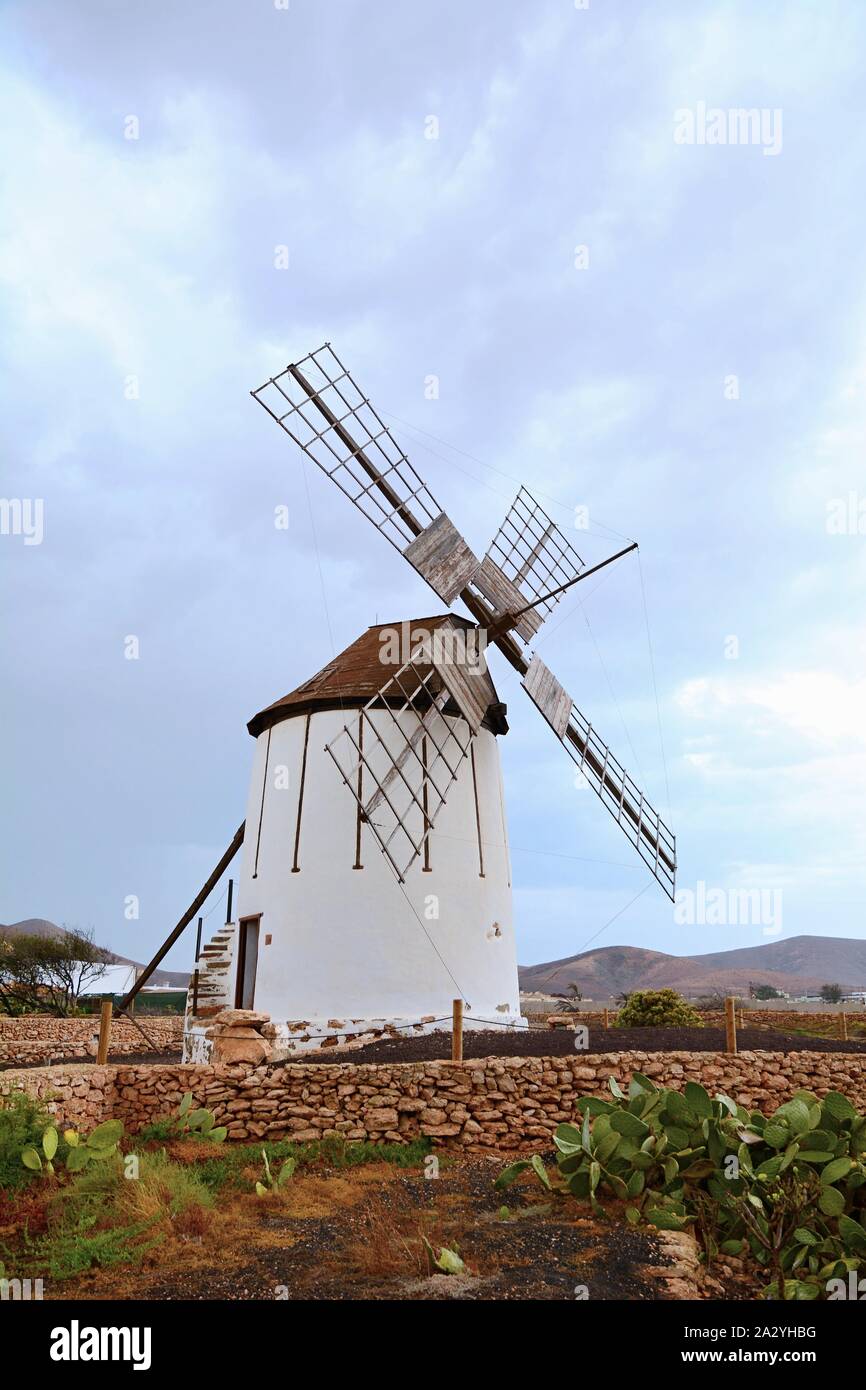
[(657, 1008), (101, 1216), (163, 1187), (158, 1130), (787, 1190), (22, 1125), (187, 1123)]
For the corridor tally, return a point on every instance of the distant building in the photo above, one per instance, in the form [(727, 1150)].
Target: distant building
[(115, 979)]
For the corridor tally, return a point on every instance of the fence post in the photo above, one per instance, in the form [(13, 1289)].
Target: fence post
[(730, 1024), (104, 1032), (457, 1031), (843, 1025), (607, 1018)]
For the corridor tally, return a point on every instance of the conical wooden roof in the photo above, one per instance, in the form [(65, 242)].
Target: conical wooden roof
[(355, 676)]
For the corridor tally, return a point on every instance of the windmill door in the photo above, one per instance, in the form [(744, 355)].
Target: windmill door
[(248, 954)]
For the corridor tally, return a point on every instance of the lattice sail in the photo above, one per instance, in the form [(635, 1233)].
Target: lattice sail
[(319, 405), (401, 769), (616, 789), (527, 557)]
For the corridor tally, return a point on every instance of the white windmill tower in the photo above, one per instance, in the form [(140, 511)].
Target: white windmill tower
[(375, 884)]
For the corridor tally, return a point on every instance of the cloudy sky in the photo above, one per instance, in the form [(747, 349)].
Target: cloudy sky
[(668, 333)]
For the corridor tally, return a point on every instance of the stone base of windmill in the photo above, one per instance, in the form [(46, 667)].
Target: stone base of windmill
[(233, 1035), (245, 1035), (348, 1034)]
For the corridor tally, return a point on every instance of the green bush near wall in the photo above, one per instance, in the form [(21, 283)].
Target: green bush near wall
[(657, 1008)]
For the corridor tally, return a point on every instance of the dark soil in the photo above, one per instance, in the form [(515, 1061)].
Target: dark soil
[(530, 1042), (368, 1246), (124, 1059), (559, 1042), (163, 1058)]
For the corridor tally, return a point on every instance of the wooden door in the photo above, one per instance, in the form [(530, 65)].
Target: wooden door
[(248, 955)]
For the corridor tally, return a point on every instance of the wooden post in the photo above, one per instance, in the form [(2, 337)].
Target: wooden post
[(843, 1026), (104, 1032), (730, 1024), (607, 1018), (457, 1031)]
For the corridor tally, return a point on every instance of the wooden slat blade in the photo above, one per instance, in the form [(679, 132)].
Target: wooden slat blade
[(548, 696), (442, 557), (504, 597), (460, 661)]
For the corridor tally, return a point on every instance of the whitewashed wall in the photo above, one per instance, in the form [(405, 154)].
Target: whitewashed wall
[(345, 942)]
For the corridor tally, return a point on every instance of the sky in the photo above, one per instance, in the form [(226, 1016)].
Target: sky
[(530, 206)]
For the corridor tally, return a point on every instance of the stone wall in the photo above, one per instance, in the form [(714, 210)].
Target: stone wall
[(79, 1095), (36, 1038), (502, 1102)]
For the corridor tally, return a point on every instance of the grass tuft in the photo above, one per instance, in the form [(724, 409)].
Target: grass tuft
[(226, 1170)]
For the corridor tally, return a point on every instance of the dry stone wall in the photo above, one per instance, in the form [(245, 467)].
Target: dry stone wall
[(492, 1102), (36, 1038)]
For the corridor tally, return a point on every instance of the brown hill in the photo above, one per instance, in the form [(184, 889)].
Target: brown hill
[(798, 965)]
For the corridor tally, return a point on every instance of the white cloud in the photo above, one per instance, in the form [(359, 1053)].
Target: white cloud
[(823, 706)]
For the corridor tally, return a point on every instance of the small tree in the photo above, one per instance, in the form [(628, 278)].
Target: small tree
[(831, 994), (48, 974), (574, 997), (764, 992)]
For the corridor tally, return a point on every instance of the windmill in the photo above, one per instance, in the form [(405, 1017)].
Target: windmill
[(527, 568), (398, 754)]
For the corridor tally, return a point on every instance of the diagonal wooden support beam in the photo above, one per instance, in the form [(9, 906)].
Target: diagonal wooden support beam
[(187, 917)]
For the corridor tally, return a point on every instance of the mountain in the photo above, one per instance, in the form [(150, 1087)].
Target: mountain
[(38, 926), (798, 965)]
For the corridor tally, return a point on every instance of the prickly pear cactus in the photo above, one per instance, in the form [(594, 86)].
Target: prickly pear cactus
[(787, 1191)]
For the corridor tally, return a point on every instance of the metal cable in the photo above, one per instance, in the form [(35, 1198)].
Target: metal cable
[(655, 686)]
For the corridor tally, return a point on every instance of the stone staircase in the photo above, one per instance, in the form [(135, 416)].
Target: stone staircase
[(214, 974)]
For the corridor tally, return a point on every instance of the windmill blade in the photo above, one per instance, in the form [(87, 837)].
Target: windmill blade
[(400, 769), (528, 557), (320, 407), (637, 819)]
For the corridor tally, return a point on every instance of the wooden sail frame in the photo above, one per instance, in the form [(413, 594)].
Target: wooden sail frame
[(319, 405)]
